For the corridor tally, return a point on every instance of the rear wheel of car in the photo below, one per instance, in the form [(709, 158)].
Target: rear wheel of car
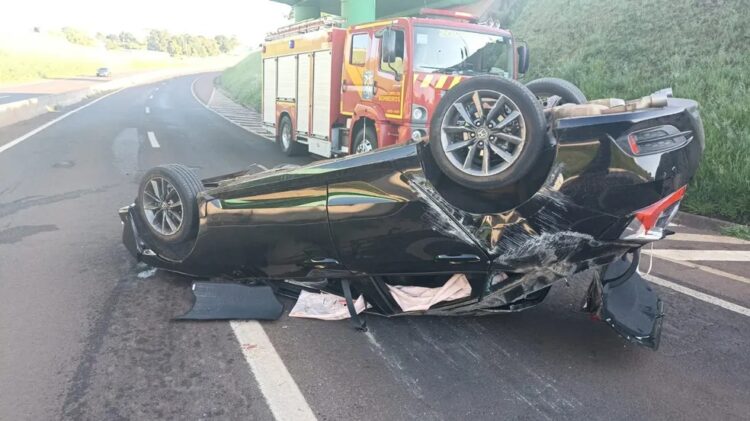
[(167, 202), (365, 140), (547, 87), (286, 139), (487, 133)]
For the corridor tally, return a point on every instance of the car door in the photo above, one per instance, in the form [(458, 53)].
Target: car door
[(274, 227), (381, 223)]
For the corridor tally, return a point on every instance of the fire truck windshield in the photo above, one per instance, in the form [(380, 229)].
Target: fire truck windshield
[(444, 50)]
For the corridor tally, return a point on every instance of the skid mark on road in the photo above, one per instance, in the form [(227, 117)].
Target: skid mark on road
[(18, 233), (33, 201), (74, 405)]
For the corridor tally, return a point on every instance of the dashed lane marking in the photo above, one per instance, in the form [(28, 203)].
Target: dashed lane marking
[(20, 139), (706, 255), (151, 96), (278, 387), (148, 110), (152, 139), (698, 295)]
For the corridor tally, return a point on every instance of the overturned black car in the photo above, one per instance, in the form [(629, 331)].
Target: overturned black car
[(512, 192)]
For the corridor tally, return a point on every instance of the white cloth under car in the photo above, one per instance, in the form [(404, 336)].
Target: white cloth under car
[(412, 298), (324, 306)]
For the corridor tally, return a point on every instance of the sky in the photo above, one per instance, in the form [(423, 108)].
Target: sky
[(249, 20)]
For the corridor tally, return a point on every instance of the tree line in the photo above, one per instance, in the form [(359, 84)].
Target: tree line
[(157, 40)]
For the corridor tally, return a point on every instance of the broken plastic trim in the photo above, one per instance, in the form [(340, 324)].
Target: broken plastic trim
[(231, 301), (620, 297)]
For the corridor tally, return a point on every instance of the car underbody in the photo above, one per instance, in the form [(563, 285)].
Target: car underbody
[(363, 224)]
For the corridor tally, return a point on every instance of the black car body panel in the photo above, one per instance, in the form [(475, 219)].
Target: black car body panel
[(388, 215)]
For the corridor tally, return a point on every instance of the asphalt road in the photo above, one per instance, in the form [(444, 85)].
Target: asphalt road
[(86, 332)]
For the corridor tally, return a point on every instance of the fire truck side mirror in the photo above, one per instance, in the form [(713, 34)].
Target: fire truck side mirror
[(523, 58), (389, 46)]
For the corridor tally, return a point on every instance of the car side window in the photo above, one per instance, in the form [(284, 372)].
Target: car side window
[(360, 45), (398, 65)]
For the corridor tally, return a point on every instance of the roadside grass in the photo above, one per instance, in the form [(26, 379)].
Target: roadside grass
[(630, 48), (738, 231), (243, 81)]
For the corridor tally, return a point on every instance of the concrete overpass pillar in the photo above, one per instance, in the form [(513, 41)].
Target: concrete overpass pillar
[(358, 11), (306, 10)]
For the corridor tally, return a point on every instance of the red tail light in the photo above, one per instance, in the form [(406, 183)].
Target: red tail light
[(648, 224)]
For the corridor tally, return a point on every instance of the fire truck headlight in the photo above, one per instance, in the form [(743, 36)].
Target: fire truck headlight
[(418, 114)]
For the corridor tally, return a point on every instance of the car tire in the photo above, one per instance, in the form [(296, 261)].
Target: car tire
[(365, 140), (288, 145), (512, 145), (546, 87), (167, 202)]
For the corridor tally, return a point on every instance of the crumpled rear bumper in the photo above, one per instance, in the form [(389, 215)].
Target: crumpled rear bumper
[(620, 297)]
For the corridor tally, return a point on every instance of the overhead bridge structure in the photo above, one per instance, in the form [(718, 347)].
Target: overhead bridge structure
[(359, 11)]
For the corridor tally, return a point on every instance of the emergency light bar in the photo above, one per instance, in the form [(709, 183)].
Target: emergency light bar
[(463, 16)]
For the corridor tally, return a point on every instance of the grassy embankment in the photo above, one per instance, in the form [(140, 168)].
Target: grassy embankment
[(631, 48), (18, 68), (27, 57), (243, 81), (628, 49)]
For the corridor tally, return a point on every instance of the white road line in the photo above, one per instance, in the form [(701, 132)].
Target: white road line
[(277, 385), (18, 140), (152, 139), (4, 96), (148, 110), (151, 96), (710, 255), (698, 295), (704, 268), (680, 236)]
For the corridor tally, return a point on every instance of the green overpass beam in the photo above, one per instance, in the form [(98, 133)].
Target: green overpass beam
[(306, 10), (358, 11)]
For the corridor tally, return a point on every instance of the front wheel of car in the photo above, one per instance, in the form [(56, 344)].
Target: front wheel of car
[(487, 133), (286, 138), (167, 202)]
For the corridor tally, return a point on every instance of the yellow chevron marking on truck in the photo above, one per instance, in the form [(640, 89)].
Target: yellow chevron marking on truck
[(456, 79), (426, 81), (441, 82)]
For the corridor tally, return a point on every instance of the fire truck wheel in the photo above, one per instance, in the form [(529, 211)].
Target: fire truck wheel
[(286, 140), (365, 140), (487, 133), (546, 87)]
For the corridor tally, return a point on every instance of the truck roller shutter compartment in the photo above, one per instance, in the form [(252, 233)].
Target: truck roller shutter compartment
[(303, 94), (269, 91)]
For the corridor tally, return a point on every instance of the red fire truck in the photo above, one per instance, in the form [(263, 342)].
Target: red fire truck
[(331, 90)]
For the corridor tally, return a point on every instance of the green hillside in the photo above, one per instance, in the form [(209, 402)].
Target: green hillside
[(243, 81), (630, 48)]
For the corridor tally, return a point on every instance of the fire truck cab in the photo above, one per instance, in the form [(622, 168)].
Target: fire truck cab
[(331, 91)]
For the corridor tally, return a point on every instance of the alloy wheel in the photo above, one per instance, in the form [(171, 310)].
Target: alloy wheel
[(162, 206), (483, 133)]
